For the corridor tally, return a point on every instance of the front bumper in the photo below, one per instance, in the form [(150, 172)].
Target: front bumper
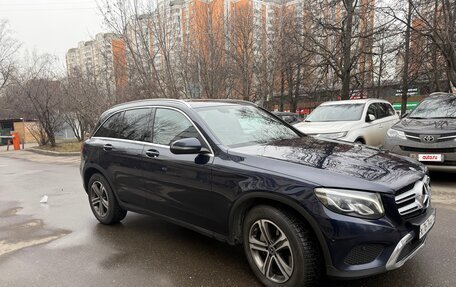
[(375, 246), (413, 148)]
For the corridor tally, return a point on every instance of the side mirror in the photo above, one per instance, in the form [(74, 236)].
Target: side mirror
[(370, 118), (186, 146)]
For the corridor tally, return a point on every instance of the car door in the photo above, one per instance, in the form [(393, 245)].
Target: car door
[(121, 139), (179, 186), (392, 117), (387, 118), (373, 128)]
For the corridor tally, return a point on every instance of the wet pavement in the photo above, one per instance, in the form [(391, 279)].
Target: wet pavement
[(61, 244)]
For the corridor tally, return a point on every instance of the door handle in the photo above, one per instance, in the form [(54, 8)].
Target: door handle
[(107, 147), (152, 153)]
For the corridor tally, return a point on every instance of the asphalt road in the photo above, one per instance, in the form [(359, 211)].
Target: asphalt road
[(61, 244)]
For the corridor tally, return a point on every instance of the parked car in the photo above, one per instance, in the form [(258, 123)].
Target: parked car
[(360, 121), (428, 133), (301, 207), (288, 117)]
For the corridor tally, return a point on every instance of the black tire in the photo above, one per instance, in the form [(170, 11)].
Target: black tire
[(103, 202), (305, 268)]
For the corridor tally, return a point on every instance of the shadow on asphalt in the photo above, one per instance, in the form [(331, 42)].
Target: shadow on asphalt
[(206, 261)]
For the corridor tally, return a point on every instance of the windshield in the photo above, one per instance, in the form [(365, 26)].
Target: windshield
[(336, 113), (435, 108), (244, 125)]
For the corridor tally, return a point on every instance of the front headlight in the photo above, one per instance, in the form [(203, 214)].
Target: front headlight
[(392, 133), (333, 135), (352, 203)]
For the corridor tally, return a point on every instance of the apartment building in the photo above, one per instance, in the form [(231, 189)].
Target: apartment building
[(182, 33), (102, 59)]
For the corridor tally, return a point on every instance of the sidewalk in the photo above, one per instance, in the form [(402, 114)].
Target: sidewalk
[(11, 148), (31, 156)]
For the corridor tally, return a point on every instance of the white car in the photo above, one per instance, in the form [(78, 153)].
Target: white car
[(361, 121)]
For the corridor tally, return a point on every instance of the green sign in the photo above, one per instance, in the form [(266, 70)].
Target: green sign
[(410, 105)]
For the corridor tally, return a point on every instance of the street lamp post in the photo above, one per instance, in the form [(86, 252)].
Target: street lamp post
[(23, 134)]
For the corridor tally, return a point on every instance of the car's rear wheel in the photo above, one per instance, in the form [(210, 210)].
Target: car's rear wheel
[(280, 250), (102, 201)]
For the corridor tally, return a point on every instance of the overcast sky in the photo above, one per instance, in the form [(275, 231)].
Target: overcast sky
[(51, 26)]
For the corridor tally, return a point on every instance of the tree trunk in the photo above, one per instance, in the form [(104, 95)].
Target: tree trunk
[(405, 70), (282, 90), (347, 58)]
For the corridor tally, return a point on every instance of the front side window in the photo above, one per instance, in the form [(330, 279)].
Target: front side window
[(382, 110), (336, 113), (237, 125), (112, 127), (373, 110), (136, 125), (171, 125), (435, 108), (390, 110)]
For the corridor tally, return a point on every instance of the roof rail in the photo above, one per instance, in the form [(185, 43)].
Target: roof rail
[(149, 100), (222, 101)]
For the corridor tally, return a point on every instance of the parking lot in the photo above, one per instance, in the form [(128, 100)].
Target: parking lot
[(60, 243)]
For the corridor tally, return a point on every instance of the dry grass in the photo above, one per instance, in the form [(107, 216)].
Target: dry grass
[(63, 147)]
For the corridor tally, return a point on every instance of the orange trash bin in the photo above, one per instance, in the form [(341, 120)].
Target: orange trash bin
[(16, 141)]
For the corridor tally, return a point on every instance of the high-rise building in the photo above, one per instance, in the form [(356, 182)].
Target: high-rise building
[(102, 59)]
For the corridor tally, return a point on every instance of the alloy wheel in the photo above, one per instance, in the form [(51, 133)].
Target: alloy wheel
[(99, 200), (271, 251)]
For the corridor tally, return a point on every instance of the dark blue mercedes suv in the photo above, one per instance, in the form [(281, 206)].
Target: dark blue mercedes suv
[(302, 207)]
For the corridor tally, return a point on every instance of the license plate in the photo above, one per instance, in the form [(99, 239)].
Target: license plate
[(427, 225), (431, 157)]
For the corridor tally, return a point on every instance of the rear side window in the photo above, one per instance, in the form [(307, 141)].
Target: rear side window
[(112, 127), (136, 125), (171, 125)]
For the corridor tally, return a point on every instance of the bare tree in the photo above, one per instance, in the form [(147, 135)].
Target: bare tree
[(241, 49), (152, 35), (78, 109), (207, 58), (341, 37), (438, 24), (8, 48), (36, 93)]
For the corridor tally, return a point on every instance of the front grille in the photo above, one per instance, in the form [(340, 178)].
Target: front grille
[(428, 150), (414, 198), (447, 137), (437, 138), (363, 254), (413, 137)]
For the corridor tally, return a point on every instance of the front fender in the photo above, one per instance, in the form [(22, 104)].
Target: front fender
[(242, 204)]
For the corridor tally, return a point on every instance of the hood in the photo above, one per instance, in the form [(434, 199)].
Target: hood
[(325, 127), (430, 126), (333, 164)]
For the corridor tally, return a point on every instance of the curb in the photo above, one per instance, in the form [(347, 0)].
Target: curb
[(53, 153)]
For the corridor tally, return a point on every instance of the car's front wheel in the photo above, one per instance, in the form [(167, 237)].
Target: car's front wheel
[(280, 249), (102, 201)]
